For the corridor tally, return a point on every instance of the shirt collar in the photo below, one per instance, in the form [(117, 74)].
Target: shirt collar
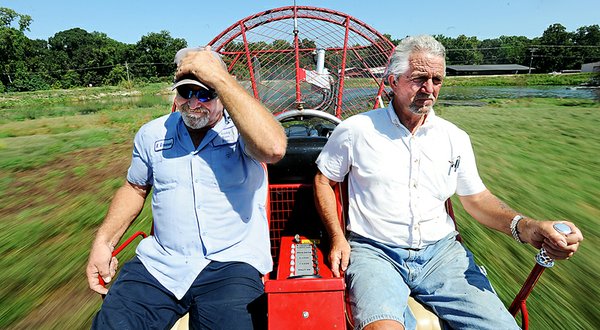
[(210, 135)]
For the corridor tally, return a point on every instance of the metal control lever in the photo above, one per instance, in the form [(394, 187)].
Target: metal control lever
[(542, 257), (543, 261)]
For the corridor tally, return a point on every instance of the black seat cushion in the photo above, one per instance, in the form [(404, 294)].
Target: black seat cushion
[(298, 165)]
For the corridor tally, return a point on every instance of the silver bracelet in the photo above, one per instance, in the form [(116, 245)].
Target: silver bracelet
[(513, 227)]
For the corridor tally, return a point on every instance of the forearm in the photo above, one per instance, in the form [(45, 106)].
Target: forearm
[(124, 208), (325, 202), (492, 212), (489, 211), (263, 135)]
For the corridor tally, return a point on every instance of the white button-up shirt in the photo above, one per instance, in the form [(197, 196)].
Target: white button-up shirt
[(398, 182), (208, 203)]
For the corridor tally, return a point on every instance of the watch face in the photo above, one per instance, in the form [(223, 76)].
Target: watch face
[(562, 228)]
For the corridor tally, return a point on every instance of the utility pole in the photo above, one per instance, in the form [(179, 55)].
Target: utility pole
[(127, 68), (532, 50)]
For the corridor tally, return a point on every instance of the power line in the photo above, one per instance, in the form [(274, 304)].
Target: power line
[(520, 46), (90, 68)]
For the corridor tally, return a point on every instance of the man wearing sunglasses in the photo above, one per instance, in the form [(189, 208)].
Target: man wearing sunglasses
[(211, 241)]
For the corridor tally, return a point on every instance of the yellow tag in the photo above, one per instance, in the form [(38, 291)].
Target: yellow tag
[(308, 241)]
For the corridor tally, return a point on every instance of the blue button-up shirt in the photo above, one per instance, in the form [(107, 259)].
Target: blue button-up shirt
[(208, 203)]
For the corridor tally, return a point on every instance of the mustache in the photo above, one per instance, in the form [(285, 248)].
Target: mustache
[(186, 107), (425, 97)]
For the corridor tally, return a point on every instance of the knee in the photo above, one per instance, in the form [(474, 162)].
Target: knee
[(384, 325)]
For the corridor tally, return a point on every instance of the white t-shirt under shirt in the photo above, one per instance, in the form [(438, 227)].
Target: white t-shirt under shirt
[(398, 182)]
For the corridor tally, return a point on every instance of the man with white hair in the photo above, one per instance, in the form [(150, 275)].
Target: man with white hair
[(402, 164), (211, 238)]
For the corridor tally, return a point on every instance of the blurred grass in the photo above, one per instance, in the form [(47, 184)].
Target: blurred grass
[(544, 79), (541, 157), (64, 153), (63, 157)]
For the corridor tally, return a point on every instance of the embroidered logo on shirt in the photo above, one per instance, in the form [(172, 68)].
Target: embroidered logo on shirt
[(228, 136), (163, 144)]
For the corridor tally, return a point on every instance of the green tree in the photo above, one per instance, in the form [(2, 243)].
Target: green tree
[(463, 50), (70, 79), (515, 50), (588, 40), (92, 55), (8, 16), (15, 48), (389, 37), (490, 51), (555, 51), (117, 75), (155, 53), (506, 50)]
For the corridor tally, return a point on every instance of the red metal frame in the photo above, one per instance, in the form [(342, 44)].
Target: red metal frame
[(304, 303), (349, 24), (282, 198), (307, 12), (338, 108), (520, 302), (297, 60), (121, 247), (300, 303), (249, 59)]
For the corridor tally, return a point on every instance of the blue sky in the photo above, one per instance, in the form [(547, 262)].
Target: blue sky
[(199, 21)]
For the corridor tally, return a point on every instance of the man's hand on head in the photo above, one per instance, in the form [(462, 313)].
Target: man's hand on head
[(203, 63)]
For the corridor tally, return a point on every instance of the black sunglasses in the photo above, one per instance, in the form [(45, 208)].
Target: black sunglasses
[(203, 95)]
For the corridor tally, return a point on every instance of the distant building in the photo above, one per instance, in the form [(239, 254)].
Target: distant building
[(486, 69), (590, 67)]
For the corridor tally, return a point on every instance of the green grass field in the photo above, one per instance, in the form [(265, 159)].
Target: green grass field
[(64, 153)]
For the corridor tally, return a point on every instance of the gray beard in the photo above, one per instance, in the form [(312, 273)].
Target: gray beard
[(419, 110), (194, 122)]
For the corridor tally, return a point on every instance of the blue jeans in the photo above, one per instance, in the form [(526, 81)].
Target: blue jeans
[(442, 276), (225, 295)]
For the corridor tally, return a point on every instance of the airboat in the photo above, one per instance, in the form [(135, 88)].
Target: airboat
[(313, 67)]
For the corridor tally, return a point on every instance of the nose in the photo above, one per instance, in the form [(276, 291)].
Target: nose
[(428, 86), (194, 103)]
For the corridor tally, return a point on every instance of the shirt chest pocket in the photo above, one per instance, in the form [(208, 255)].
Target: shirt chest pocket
[(169, 173), (441, 173), (227, 162)]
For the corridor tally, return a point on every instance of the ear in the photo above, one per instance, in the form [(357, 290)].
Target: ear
[(392, 80)]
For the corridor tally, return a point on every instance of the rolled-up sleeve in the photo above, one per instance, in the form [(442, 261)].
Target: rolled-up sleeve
[(335, 158), (468, 180)]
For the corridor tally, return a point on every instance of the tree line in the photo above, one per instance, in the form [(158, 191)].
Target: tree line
[(75, 57)]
